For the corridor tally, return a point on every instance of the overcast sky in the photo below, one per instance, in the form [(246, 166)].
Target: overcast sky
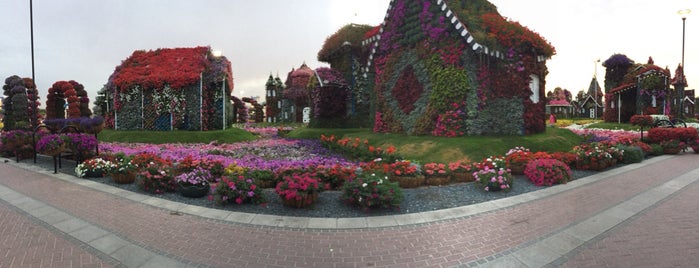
[(84, 40)]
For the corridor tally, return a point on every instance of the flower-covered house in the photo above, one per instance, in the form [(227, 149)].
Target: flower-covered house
[(456, 67), (591, 104), (296, 94), (632, 88), (273, 99), (171, 88)]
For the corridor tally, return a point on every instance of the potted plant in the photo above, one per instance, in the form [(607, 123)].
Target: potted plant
[(672, 146), (93, 168), (194, 183), (156, 177), (81, 144), (489, 179), (461, 171), (263, 178), (299, 190), (406, 173), (236, 190), (51, 144), (372, 191), (123, 171), (436, 173), (517, 158)]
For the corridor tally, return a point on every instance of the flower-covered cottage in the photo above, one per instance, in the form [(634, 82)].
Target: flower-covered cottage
[(166, 89), (633, 88), (456, 67)]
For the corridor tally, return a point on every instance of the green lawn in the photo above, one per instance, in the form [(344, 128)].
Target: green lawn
[(230, 135), (419, 148), (439, 149)]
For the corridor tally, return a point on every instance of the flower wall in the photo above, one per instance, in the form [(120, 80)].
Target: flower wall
[(164, 89), (426, 61)]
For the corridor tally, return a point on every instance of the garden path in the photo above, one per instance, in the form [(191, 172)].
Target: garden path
[(633, 214)]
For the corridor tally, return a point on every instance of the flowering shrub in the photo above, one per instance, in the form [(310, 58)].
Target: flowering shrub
[(404, 168), (93, 165), (565, 157), (122, 165), (496, 162), (237, 190), (435, 169), (372, 191), (547, 172), (672, 146), (189, 163), (156, 177), (198, 176), (657, 135), (518, 157), (461, 166), (357, 149), (334, 176), (596, 155), (262, 178), (298, 186), (51, 143), (642, 120), (490, 179), (81, 143)]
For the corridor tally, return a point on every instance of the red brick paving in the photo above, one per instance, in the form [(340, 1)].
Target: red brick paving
[(444, 244), (24, 243), (663, 236)]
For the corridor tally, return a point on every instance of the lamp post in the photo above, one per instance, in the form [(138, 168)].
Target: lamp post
[(31, 35), (683, 13), (596, 89)]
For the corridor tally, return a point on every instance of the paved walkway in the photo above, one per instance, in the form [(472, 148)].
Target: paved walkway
[(640, 215)]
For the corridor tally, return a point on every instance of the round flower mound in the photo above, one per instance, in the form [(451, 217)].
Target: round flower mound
[(372, 192), (157, 178), (547, 172), (489, 179)]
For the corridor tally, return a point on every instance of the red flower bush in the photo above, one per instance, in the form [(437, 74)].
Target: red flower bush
[(656, 135), (547, 172)]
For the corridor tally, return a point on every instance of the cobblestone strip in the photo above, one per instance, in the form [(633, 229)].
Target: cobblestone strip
[(89, 237), (556, 248)]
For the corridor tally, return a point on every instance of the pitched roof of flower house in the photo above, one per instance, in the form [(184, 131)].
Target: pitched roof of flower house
[(483, 28), (349, 35), (300, 77), (175, 67)]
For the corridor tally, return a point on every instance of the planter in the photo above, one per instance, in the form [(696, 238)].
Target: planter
[(517, 168), (672, 150), (265, 183), (303, 202), (94, 173), (194, 191), (437, 180), (124, 178), (55, 151), (409, 181), (463, 177)]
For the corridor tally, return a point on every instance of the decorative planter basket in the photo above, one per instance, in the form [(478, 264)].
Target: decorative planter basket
[(303, 202), (409, 181), (437, 180), (194, 191), (124, 178), (463, 177)]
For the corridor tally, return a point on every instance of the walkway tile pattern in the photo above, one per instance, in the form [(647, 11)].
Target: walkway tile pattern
[(25, 243), (431, 242)]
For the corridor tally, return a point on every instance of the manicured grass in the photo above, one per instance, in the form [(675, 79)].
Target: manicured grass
[(439, 149), (606, 125), (158, 137)]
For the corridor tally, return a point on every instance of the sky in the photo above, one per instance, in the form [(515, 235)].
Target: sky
[(84, 40)]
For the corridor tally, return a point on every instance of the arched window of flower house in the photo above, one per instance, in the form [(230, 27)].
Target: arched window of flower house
[(534, 86)]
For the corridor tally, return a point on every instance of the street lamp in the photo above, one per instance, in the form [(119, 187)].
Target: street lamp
[(683, 13)]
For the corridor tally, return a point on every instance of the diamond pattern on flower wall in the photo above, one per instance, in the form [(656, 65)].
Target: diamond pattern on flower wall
[(407, 90)]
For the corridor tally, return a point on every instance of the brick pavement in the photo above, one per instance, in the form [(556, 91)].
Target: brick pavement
[(462, 240), (26, 243), (666, 235)]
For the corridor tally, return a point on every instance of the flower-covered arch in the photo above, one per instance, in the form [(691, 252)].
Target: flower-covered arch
[(71, 93), (432, 75)]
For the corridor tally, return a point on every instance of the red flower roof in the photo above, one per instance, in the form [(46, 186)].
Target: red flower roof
[(176, 67)]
